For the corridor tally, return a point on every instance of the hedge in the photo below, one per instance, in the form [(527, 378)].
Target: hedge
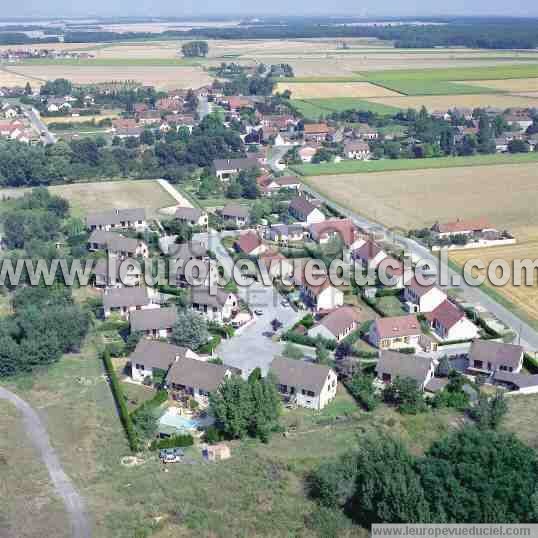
[(210, 346), (119, 398), (304, 340), (530, 363), (173, 442), (387, 292)]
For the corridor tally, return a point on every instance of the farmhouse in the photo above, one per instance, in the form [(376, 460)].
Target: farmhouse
[(191, 216), (450, 323), (220, 306), (115, 243), (249, 243), (123, 301), (235, 214), (392, 365), (420, 298), (153, 355), (303, 383), (357, 149), (339, 323), (226, 168), (395, 332), (462, 227), (154, 322), (117, 218), (303, 210), (488, 357)]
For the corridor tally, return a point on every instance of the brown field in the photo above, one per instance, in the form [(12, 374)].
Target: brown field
[(518, 85), (9, 80), (415, 198), (315, 90), (442, 102), (79, 119), (162, 77)]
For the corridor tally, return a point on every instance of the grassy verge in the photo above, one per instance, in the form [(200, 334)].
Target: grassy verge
[(391, 165)]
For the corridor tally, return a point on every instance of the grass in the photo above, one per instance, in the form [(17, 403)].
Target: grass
[(391, 306), (521, 418), (115, 62), (391, 165), (313, 109), (429, 87)]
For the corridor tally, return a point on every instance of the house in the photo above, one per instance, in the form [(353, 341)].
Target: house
[(369, 255), (357, 149), (462, 227), (193, 250), (226, 168), (392, 365), (316, 132), (106, 273), (307, 153), (522, 383), (153, 322), (339, 323), (396, 271), (129, 132), (285, 233), (196, 379), (235, 215), (366, 132), (220, 306), (192, 264), (288, 182), (117, 218), (58, 104), (236, 103), (303, 383), (450, 322), (277, 265), (501, 144), (395, 332), (115, 243), (340, 229), (322, 296), (250, 244), (486, 356), (522, 120), (191, 216), (420, 298), (123, 301), (303, 210), (152, 356)]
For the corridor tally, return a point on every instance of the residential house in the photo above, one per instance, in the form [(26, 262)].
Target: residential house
[(486, 356), (236, 102), (192, 250), (322, 296), (115, 243), (117, 219), (396, 271), (58, 104), (226, 168), (422, 298), (316, 132), (520, 119), (369, 255), (219, 306), (249, 243), (450, 322), (357, 149), (306, 153), (128, 132), (303, 383), (288, 182), (277, 265), (191, 216), (305, 211), (339, 323), (152, 356), (395, 332), (235, 214), (285, 233), (393, 365), (154, 322), (123, 301), (192, 265), (106, 273), (522, 383), (343, 230), (462, 227), (366, 132)]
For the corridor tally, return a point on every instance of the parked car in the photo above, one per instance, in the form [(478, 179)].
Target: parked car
[(258, 312), (171, 455), (285, 304)]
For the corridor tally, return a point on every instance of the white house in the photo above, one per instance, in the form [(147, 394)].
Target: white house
[(486, 356), (450, 323), (220, 306), (115, 243), (395, 332), (369, 255), (393, 365), (117, 219), (419, 298), (338, 324), (155, 322), (305, 211), (123, 301), (322, 297), (192, 216), (303, 383), (357, 149)]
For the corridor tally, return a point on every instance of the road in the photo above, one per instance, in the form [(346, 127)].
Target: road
[(251, 349), (204, 107), (36, 431), (37, 123), (176, 195), (528, 337), (277, 152)]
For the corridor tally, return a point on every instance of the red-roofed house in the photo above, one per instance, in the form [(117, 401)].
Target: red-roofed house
[(396, 332), (339, 323), (369, 255), (236, 103), (250, 244), (316, 131), (450, 323), (323, 232), (462, 227), (420, 298)]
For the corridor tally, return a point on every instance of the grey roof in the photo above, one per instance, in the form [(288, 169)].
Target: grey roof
[(125, 297), (403, 365), (497, 353), (197, 374), (342, 318), (301, 206), (153, 319), (113, 242), (287, 229), (520, 381), (297, 373), (188, 213), (188, 251), (236, 164), (235, 210), (436, 384), (156, 354), (115, 216), (203, 296)]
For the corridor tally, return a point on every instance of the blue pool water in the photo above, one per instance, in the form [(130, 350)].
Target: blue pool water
[(176, 421)]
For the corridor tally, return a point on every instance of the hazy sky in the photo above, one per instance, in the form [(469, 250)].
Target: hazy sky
[(185, 8)]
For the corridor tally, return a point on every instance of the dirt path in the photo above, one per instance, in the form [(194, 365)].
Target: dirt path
[(74, 504), (177, 196)]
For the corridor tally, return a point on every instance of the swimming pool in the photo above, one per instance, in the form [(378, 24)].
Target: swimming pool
[(172, 419)]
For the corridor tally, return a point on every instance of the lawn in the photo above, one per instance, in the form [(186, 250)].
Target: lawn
[(313, 109), (391, 165), (391, 306)]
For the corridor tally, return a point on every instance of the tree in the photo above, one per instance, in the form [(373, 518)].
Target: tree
[(404, 393), (145, 422), (322, 354), (28, 89), (444, 367), (195, 49), (190, 330), (518, 146), (489, 411), (291, 351)]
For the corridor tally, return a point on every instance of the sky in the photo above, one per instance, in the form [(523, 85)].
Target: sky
[(186, 8)]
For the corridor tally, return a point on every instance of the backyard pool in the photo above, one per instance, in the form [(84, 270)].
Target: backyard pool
[(172, 419)]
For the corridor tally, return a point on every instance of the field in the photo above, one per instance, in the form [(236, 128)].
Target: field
[(9, 80), (103, 195), (323, 90), (514, 85), (112, 114), (316, 108)]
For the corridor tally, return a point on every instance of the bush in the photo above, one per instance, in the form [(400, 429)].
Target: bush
[(212, 435), (361, 387), (209, 347), (173, 442)]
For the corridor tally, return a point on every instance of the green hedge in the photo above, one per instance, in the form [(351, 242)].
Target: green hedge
[(304, 340), (387, 292), (210, 346), (173, 442), (530, 363), (119, 397), (113, 325)]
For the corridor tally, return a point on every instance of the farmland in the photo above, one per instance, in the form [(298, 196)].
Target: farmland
[(105, 114), (9, 79), (316, 108), (324, 90)]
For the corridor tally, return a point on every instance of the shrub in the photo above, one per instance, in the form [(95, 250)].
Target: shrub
[(212, 435), (173, 442)]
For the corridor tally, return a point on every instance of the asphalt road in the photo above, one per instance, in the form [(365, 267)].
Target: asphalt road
[(36, 431), (38, 124), (204, 107), (527, 336), (277, 152)]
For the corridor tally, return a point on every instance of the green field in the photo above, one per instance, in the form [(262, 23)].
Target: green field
[(429, 87), (313, 109), (115, 62), (390, 165)]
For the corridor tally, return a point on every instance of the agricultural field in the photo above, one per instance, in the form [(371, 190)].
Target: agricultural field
[(322, 90), (106, 114), (513, 85), (103, 195), (314, 109), (9, 79)]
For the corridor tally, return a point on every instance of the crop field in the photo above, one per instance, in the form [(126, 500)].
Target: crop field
[(111, 114), (314, 109), (412, 199), (114, 62), (331, 90), (513, 85), (9, 79)]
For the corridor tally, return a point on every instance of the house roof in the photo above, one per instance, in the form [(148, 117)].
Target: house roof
[(436, 384), (274, 258), (285, 181), (356, 145), (197, 374), (343, 227), (248, 242), (342, 318), (125, 297), (392, 266), (153, 318), (316, 128), (520, 381), (497, 353), (114, 242), (447, 314), (297, 373), (418, 288), (459, 225), (302, 206), (203, 296), (235, 210), (398, 326), (286, 229), (115, 216), (236, 164), (403, 365), (156, 354), (368, 250), (188, 213), (188, 251)]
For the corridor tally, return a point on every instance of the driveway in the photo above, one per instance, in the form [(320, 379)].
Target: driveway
[(250, 348), (35, 429)]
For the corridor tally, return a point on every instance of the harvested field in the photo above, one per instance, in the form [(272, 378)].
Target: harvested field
[(323, 90), (509, 85), (80, 119), (444, 102), (413, 199), (9, 80), (162, 77)]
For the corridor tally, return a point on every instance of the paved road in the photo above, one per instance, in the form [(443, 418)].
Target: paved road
[(33, 115), (204, 107), (74, 504), (528, 337), (251, 349), (277, 152)]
